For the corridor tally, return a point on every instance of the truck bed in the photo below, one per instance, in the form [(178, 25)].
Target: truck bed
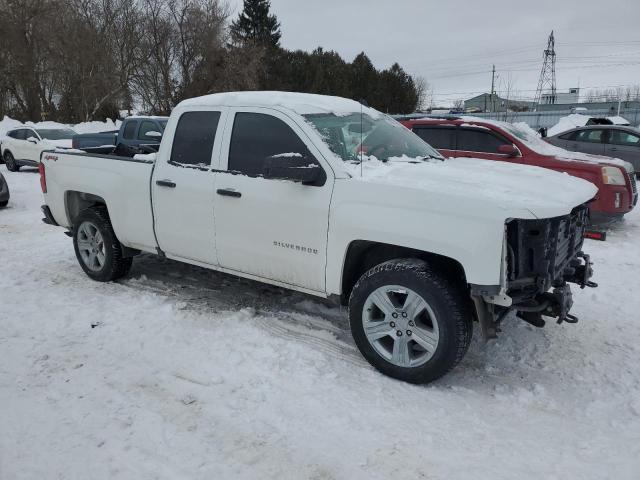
[(73, 179)]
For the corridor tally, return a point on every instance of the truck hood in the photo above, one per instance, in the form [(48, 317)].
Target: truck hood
[(498, 185)]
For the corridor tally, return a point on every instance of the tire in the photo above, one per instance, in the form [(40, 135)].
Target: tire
[(4, 204), (436, 327), (98, 251), (10, 162)]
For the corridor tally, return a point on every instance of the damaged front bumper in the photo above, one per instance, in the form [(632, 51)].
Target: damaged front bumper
[(542, 257)]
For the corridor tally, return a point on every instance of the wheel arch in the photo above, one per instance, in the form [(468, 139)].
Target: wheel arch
[(362, 255), (75, 202)]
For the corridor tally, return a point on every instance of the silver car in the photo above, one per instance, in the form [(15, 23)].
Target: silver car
[(609, 140), (4, 191)]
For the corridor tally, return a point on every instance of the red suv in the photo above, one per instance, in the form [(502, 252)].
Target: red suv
[(491, 140)]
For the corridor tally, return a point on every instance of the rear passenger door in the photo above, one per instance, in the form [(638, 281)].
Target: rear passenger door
[(268, 228), (625, 145), (442, 138), (182, 186)]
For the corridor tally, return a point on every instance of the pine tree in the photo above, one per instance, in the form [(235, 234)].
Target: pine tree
[(255, 25)]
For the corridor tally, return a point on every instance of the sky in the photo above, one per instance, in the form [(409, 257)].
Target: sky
[(453, 44)]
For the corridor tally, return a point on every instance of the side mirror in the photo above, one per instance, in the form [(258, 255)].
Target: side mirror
[(299, 169), (154, 134), (32, 140), (510, 150)]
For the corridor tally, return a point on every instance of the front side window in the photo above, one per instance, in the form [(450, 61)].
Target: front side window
[(56, 133), (146, 127), (353, 136), (590, 136), (194, 138), (472, 140), (621, 137), (257, 137), (22, 134), (442, 138), (568, 136), (129, 130)]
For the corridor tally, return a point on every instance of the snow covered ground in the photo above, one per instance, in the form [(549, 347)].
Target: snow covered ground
[(177, 372)]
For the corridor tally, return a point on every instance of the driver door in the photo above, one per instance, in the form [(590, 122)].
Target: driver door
[(268, 228)]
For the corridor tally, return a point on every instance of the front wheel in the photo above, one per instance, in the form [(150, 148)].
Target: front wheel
[(97, 249), (409, 322), (10, 162)]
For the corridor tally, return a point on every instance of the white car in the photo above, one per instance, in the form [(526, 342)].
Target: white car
[(23, 146), (263, 185)]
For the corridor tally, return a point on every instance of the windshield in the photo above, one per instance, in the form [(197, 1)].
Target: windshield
[(55, 133), (530, 138), (355, 135)]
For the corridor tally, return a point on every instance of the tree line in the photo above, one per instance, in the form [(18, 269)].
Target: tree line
[(79, 60)]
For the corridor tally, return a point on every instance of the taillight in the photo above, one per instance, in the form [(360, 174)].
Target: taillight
[(43, 177)]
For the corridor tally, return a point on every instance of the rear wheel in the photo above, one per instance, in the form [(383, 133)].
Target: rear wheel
[(98, 251), (409, 322), (10, 162), (4, 204)]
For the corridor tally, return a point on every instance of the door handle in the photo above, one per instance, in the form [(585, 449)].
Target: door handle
[(228, 192), (165, 183), (613, 149)]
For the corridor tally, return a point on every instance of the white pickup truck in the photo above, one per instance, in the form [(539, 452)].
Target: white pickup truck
[(328, 197)]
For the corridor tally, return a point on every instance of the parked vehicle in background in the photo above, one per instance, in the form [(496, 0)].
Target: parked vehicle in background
[(136, 135), (22, 146), (610, 140), (4, 191), (263, 185), (499, 141)]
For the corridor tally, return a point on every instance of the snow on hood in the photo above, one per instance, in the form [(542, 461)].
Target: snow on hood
[(301, 103), (535, 143), (577, 120), (545, 193)]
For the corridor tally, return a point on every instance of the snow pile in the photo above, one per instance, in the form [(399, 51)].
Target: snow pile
[(177, 372), (567, 123), (577, 120), (7, 124)]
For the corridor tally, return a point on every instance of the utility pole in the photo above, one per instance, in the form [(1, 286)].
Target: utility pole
[(493, 89), (548, 74)]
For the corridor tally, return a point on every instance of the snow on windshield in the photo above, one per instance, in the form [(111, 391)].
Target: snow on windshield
[(354, 136), (532, 140), (529, 136)]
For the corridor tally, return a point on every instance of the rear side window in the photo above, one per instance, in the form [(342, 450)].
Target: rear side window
[(620, 137), (472, 140), (13, 134), (194, 137), (145, 127), (130, 130), (441, 138), (21, 134), (256, 137), (590, 136)]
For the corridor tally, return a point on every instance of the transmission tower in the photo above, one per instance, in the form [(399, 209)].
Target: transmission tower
[(547, 82)]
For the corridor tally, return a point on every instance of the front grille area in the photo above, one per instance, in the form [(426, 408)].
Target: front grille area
[(540, 252)]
